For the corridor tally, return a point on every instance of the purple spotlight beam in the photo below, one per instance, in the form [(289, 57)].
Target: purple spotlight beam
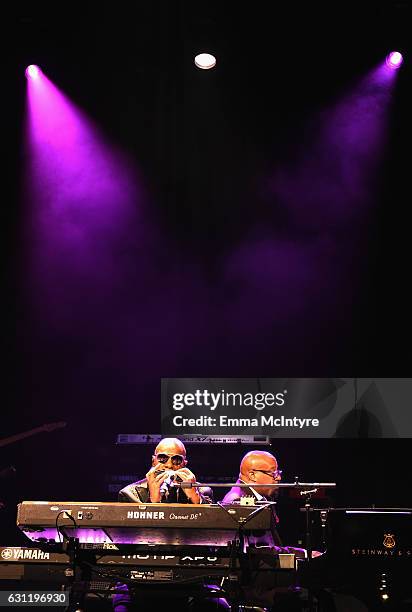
[(394, 60)]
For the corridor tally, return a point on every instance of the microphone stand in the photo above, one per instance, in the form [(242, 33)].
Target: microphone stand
[(241, 485)]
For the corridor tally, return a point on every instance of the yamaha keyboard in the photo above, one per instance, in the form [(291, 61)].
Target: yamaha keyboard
[(100, 569), (160, 525)]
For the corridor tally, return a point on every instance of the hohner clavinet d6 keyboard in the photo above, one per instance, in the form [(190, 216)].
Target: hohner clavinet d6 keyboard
[(144, 524)]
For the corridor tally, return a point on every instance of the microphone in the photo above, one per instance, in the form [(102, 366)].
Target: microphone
[(166, 484)]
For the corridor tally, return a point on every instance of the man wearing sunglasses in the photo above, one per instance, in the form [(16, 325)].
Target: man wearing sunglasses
[(168, 465)]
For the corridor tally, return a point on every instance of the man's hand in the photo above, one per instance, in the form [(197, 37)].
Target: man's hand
[(302, 552), (316, 553), (155, 478), (187, 476)]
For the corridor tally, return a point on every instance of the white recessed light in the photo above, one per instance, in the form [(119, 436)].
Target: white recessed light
[(205, 61)]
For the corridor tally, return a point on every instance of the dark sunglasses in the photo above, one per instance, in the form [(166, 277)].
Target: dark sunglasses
[(176, 459)]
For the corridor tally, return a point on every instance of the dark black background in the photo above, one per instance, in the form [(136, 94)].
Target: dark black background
[(109, 59)]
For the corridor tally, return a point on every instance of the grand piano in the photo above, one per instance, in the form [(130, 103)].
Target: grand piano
[(368, 554)]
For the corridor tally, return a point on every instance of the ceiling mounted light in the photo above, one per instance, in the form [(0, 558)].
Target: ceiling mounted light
[(205, 61), (33, 71), (394, 60)]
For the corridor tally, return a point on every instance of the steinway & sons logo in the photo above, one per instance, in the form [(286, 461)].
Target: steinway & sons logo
[(389, 549), (389, 540)]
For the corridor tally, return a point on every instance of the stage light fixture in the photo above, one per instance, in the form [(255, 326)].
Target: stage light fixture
[(32, 71), (205, 61), (394, 60)]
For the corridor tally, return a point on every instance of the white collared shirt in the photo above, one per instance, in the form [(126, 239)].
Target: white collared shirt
[(258, 496)]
